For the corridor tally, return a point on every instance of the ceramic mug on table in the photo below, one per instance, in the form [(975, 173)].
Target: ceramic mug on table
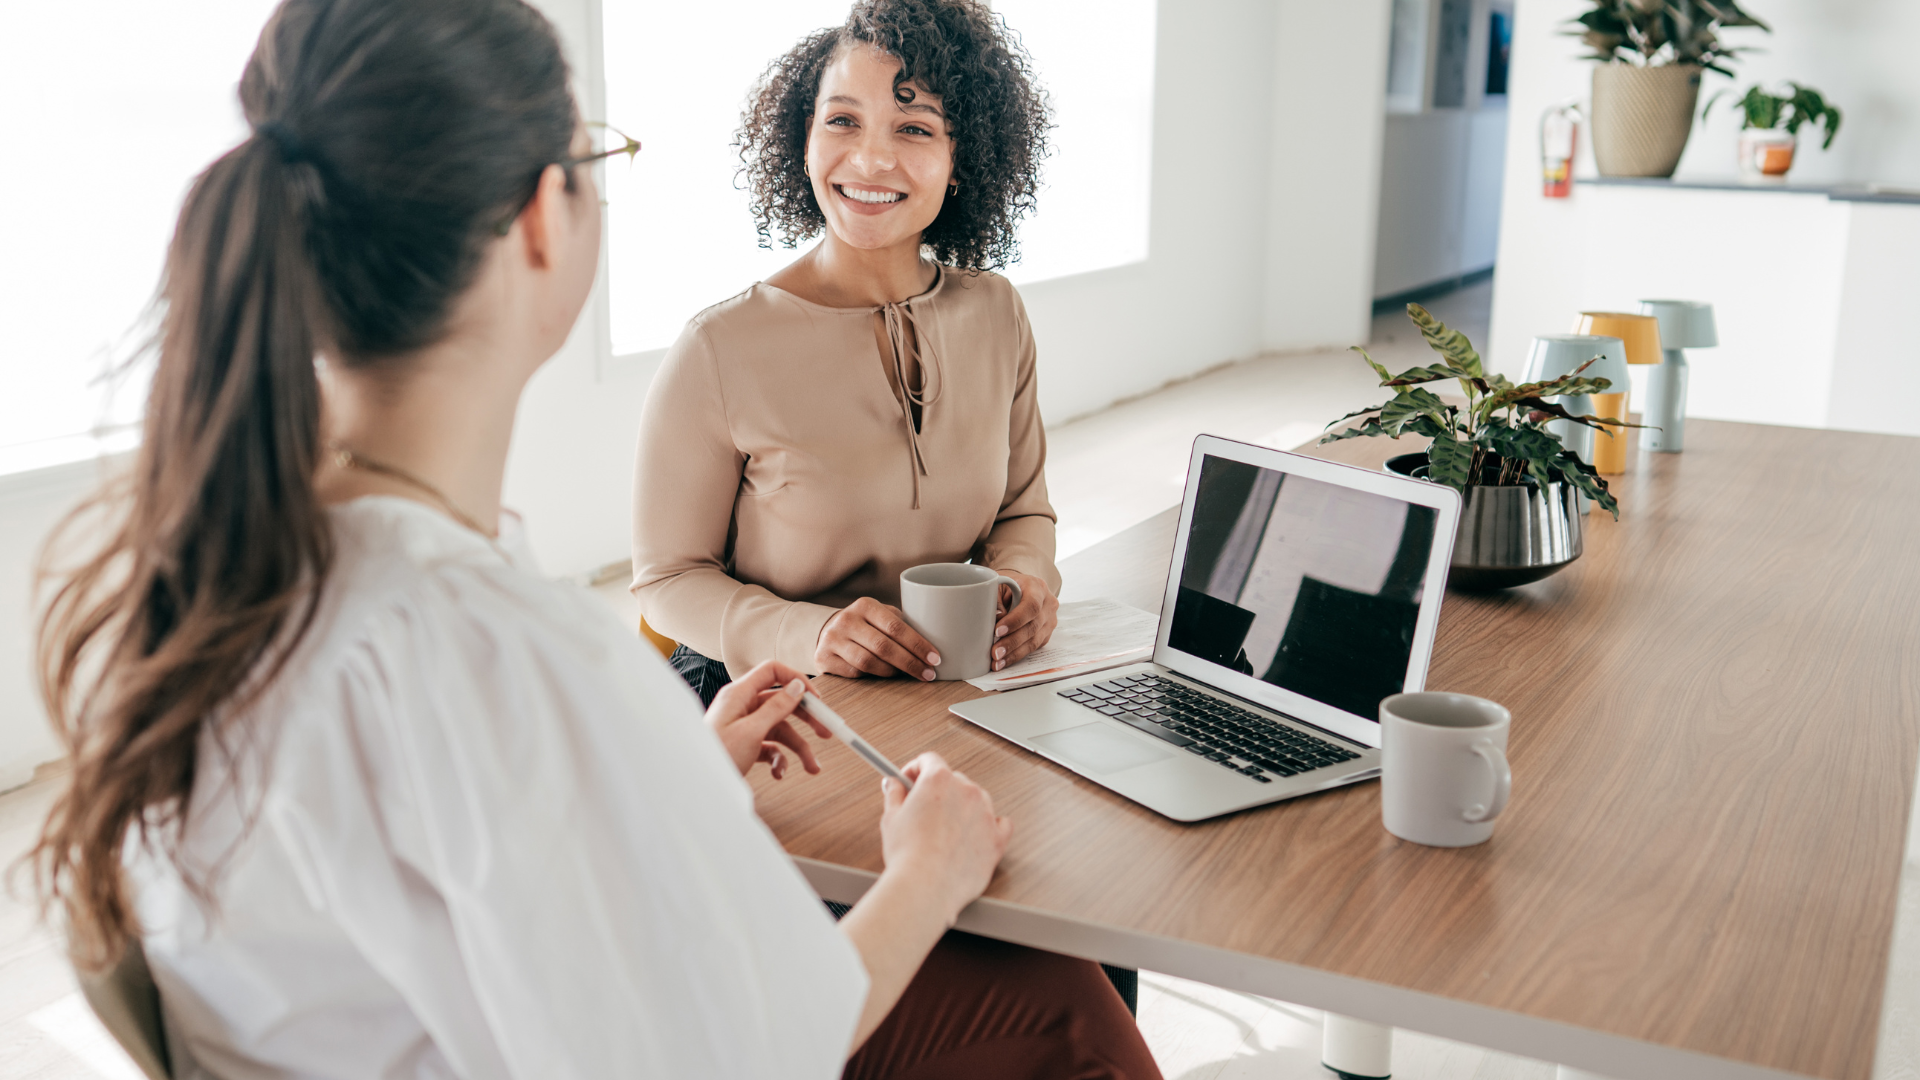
[(955, 607), (1443, 767)]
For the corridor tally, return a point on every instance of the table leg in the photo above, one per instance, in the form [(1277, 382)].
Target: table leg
[(1356, 1049)]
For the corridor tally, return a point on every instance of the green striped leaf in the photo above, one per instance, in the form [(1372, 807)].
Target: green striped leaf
[(1358, 412), (1450, 462), (1372, 363), (1590, 483), (1431, 373), (1447, 341), (1411, 403)]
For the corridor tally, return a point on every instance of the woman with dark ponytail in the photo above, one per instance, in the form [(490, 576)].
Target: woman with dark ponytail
[(374, 797)]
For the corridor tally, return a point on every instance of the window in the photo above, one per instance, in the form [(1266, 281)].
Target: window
[(1096, 61), (680, 236), (111, 109)]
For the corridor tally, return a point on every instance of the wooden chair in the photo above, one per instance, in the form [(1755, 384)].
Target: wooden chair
[(660, 641), (127, 1002)]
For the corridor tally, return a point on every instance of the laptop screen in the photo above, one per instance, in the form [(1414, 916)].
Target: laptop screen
[(1310, 586)]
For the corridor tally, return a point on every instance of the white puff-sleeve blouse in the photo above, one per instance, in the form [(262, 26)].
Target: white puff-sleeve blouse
[(490, 837)]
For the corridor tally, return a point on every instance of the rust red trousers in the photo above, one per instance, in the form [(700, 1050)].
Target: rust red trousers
[(981, 1009)]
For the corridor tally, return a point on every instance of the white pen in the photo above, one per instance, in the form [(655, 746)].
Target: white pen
[(819, 711)]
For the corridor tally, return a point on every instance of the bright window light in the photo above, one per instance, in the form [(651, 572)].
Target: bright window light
[(1096, 62), (680, 235), (111, 110), (680, 238)]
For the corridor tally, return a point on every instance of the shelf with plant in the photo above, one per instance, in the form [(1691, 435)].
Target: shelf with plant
[(1499, 437), (1651, 56), (1802, 105)]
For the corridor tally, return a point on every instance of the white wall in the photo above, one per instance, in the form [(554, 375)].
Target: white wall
[(1876, 352), (1545, 71), (1263, 210), (1423, 192), (1776, 291), (571, 468), (1196, 300), (1329, 91), (30, 505)]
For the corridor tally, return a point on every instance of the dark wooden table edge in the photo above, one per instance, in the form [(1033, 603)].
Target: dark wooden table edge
[(1432, 1014)]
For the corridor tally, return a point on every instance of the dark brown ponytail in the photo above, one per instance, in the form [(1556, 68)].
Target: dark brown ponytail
[(389, 140)]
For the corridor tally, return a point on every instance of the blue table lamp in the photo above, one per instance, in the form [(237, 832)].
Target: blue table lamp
[(1684, 324)]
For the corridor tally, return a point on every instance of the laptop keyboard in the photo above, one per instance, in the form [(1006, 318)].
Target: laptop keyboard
[(1239, 739)]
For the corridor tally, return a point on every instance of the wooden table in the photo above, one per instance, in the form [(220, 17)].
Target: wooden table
[(1714, 741)]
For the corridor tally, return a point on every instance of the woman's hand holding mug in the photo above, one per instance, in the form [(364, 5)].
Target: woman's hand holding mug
[(868, 637), (1029, 625)]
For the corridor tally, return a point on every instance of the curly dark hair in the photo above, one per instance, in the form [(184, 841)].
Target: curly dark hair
[(996, 112)]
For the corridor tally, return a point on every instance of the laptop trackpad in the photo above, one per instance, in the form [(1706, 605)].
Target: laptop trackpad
[(1098, 749)]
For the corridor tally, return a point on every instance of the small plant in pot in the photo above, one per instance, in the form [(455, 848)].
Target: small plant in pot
[(1770, 125), (1521, 520), (1651, 54)]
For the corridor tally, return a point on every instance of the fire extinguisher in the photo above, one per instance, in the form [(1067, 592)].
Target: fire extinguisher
[(1559, 134)]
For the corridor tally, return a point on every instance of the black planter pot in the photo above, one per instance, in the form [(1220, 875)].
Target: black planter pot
[(1508, 535)]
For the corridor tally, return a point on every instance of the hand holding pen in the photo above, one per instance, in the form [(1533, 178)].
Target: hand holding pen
[(938, 828), (943, 832), (754, 718)]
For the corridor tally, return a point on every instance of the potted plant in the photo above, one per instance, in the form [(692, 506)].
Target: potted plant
[(1521, 519), (1651, 54), (1770, 126)]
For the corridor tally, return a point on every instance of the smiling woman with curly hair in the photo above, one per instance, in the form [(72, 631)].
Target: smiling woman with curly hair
[(873, 405), (996, 118)]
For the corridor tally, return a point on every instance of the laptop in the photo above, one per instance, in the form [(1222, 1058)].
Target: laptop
[(1301, 593)]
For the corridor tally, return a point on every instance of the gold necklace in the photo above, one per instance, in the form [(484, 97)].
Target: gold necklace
[(346, 458)]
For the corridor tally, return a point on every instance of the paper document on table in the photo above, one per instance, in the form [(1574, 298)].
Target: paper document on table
[(1092, 635)]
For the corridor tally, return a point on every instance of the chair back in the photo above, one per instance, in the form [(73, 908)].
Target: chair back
[(127, 1002), (658, 640)]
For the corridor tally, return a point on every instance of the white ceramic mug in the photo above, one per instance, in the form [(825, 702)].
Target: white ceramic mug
[(1443, 767), (955, 606)]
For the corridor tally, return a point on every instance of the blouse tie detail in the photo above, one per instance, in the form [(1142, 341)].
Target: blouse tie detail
[(899, 318)]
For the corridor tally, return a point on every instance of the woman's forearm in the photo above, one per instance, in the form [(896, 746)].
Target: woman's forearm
[(719, 616), (894, 926), (1024, 543)]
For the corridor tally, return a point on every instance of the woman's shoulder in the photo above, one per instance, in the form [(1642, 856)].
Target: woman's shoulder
[(406, 580), (427, 631), (414, 612), (979, 289), (755, 311)]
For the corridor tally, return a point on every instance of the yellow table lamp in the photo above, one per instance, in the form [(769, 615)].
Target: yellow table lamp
[(1641, 333)]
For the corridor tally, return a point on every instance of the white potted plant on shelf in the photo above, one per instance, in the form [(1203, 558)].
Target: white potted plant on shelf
[(1770, 126), (1651, 54)]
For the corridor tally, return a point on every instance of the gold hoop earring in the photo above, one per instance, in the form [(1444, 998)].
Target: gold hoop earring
[(953, 187), (806, 172)]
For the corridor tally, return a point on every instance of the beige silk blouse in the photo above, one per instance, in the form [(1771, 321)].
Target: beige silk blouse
[(780, 476)]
